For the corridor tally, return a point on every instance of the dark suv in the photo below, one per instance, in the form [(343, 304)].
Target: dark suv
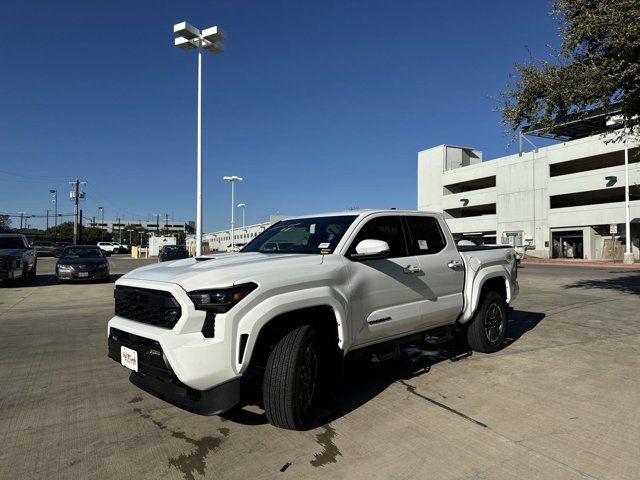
[(47, 247)]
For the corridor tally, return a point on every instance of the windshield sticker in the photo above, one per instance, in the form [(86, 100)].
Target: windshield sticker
[(325, 251), (324, 245), (423, 245)]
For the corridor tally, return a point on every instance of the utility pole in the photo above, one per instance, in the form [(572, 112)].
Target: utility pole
[(76, 195), (158, 223), (80, 228), (54, 192), (166, 222), (47, 220), (119, 231), (21, 218)]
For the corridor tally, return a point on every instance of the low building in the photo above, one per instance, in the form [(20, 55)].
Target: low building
[(161, 226), (220, 241), (561, 201)]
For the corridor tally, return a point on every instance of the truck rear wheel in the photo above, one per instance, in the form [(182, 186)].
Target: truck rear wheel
[(291, 378), (488, 329)]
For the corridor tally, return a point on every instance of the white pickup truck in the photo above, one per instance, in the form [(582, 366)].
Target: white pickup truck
[(273, 323)]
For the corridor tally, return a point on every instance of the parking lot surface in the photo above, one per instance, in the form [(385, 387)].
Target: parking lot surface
[(560, 401)]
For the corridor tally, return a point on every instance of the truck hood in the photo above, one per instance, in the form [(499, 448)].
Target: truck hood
[(223, 270), (11, 252)]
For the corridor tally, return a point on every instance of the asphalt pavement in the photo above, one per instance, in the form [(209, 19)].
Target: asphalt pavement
[(560, 401)]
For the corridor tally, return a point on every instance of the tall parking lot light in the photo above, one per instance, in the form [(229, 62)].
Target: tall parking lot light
[(243, 207), (233, 179), (616, 122), (54, 194), (189, 38)]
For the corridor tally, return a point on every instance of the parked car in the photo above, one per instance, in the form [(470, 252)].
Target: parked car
[(82, 262), (112, 247), (18, 260), (172, 252), (121, 247), (201, 332), (47, 248)]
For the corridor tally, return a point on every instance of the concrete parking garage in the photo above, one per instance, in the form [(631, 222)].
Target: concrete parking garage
[(559, 401)]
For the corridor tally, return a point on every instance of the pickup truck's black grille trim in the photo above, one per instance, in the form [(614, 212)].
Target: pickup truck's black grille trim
[(5, 262), (209, 326), (153, 307)]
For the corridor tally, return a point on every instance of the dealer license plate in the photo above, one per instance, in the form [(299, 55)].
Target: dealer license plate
[(83, 274), (129, 358)]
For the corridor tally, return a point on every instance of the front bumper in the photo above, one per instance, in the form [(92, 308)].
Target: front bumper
[(68, 276), (156, 377)]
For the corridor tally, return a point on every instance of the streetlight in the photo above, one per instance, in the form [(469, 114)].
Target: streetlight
[(189, 38), (101, 213), (617, 121), (54, 192), (242, 206), (233, 179)]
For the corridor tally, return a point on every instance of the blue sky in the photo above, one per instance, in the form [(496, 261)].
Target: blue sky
[(319, 105)]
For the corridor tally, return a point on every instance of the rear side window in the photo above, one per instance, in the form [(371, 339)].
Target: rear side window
[(425, 236), (388, 229)]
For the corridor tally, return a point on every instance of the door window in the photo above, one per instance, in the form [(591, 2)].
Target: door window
[(425, 236), (387, 229)]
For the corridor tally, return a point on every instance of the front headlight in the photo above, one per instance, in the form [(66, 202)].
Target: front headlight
[(221, 300), (64, 268), (102, 265)]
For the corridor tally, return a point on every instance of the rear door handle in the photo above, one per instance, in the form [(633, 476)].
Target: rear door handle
[(411, 269), (454, 264)]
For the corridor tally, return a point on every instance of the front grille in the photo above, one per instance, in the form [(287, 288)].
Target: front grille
[(153, 307), (5, 262)]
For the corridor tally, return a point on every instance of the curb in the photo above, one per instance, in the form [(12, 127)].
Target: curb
[(580, 263)]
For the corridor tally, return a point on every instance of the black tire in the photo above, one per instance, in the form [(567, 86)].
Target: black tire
[(25, 274), (488, 328), (34, 270), (292, 379), (57, 253)]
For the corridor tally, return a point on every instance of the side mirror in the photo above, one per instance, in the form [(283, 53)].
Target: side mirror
[(106, 253), (371, 250)]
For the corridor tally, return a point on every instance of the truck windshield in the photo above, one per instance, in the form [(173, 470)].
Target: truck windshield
[(11, 242), (302, 235)]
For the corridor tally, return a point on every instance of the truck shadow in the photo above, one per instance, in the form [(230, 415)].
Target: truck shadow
[(364, 380), (629, 284)]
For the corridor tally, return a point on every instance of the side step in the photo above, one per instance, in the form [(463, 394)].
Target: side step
[(438, 336)]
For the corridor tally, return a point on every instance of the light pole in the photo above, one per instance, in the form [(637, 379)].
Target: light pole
[(189, 38), (233, 179), (617, 121), (54, 192), (101, 213), (243, 206)]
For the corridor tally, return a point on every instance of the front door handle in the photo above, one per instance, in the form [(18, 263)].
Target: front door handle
[(411, 269), (454, 264)]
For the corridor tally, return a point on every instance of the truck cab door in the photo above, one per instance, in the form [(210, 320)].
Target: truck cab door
[(442, 267), (385, 293)]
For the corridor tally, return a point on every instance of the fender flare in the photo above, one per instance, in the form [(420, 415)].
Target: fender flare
[(485, 274), (260, 315)]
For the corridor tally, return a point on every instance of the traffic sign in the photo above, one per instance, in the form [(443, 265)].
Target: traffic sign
[(613, 228)]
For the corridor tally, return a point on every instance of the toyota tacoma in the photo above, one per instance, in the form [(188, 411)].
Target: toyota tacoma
[(273, 323)]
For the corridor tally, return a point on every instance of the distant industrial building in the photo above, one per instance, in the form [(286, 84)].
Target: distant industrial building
[(220, 241), (561, 201), (160, 226)]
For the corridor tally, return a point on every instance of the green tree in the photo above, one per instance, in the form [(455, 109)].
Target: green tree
[(5, 223), (596, 66)]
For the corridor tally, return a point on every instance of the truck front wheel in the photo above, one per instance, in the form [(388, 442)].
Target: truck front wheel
[(488, 329), (292, 378)]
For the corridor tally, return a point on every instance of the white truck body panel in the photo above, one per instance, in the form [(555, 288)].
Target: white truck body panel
[(373, 301)]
